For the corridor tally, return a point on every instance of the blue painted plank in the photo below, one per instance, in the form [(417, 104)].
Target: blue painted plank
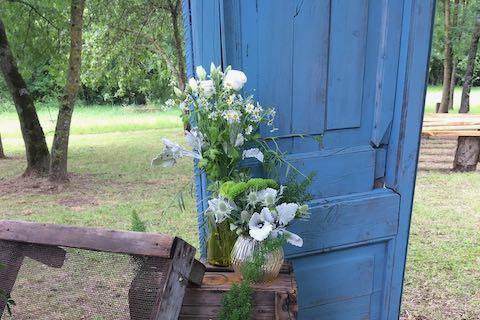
[(337, 171), (348, 31), (345, 220), (387, 68), (310, 66), (405, 137), (275, 58), (202, 39), (343, 284)]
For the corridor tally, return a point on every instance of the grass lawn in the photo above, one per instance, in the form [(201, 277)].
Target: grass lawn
[(109, 159)]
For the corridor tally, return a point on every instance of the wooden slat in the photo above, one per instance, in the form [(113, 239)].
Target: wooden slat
[(451, 125), (138, 243), (275, 300), (170, 299), (453, 133)]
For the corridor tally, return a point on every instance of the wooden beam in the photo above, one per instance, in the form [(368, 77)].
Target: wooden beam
[(170, 299), (453, 133), (96, 239)]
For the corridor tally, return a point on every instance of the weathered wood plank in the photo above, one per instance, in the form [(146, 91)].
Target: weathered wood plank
[(417, 26), (346, 220), (348, 32), (453, 133), (96, 239), (275, 300), (170, 299)]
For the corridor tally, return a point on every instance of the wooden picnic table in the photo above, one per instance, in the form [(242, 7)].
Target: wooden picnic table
[(466, 127), (451, 124)]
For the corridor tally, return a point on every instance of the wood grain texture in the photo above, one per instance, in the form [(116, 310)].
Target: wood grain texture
[(97, 239), (347, 220), (276, 300), (169, 301), (348, 32), (417, 26)]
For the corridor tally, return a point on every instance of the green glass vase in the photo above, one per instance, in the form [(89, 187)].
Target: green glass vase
[(220, 244)]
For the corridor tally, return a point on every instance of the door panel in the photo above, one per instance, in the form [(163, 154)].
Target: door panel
[(348, 32), (348, 219), (349, 283)]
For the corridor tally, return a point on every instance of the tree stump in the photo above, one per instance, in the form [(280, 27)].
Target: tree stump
[(467, 154)]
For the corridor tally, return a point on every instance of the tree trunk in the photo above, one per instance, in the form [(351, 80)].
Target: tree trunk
[(175, 13), (58, 164), (467, 154), (36, 148), (468, 148), (457, 37), (447, 63), (2, 153), (467, 81), (452, 85)]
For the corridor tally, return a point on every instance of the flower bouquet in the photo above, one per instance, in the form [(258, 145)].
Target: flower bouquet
[(258, 210), (224, 132)]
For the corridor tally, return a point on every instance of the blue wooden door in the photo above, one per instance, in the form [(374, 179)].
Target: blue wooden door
[(348, 75)]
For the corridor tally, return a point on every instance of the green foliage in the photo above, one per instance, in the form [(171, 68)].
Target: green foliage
[(460, 38), (232, 189), (260, 183), (237, 303), (128, 49), (298, 191), (137, 224)]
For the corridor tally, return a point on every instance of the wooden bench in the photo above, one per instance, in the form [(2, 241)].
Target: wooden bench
[(273, 301), (451, 125), (464, 126), (170, 261)]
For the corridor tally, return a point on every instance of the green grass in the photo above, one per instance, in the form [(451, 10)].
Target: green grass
[(94, 119), (434, 95), (109, 157), (443, 274)]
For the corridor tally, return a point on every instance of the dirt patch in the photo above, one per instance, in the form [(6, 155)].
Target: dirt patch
[(75, 194)]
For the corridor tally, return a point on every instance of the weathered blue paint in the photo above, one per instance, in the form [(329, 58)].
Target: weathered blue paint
[(354, 73)]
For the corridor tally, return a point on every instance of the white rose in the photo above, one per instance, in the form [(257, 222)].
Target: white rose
[(208, 87), (234, 79), (201, 73), (192, 83)]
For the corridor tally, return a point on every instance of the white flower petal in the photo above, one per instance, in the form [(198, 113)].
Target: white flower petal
[(286, 212), (267, 215), (268, 196), (201, 73), (192, 83), (208, 88), (253, 153), (239, 140), (293, 238), (235, 79), (261, 233)]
